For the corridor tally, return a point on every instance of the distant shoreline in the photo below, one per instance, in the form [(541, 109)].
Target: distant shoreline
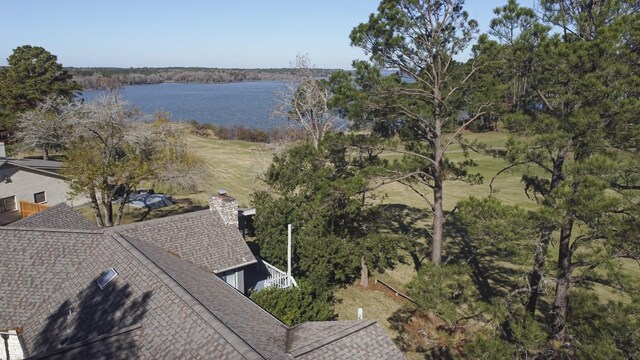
[(190, 82), (95, 78)]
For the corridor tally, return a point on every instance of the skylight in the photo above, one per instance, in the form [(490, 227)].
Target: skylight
[(106, 277)]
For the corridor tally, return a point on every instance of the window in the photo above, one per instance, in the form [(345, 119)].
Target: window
[(39, 198), (230, 278), (106, 277), (8, 204)]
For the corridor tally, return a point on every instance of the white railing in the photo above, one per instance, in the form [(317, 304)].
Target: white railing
[(278, 277), (11, 345)]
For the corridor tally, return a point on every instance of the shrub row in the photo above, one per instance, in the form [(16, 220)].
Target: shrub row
[(239, 132)]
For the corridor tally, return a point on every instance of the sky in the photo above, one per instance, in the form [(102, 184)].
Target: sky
[(195, 33)]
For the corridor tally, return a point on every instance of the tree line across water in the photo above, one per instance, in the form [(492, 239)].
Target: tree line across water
[(92, 78)]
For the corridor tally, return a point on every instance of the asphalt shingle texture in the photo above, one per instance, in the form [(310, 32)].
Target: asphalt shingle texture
[(355, 339), (200, 237), (368, 342), (49, 289), (256, 327)]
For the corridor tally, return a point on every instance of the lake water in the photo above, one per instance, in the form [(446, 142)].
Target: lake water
[(245, 103)]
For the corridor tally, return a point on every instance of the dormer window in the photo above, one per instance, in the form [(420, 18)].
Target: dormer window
[(107, 277)]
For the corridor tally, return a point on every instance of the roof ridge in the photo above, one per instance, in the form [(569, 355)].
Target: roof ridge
[(163, 219), (191, 301), (333, 337), (53, 230), (14, 163)]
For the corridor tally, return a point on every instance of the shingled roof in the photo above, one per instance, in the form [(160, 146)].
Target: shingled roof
[(200, 237), (47, 166), (159, 305), (52, 295), (60, 216)]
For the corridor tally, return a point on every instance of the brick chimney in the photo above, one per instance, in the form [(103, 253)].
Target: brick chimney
[(226, 206)]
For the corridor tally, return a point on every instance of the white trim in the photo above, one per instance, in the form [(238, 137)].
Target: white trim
[(235, 267)]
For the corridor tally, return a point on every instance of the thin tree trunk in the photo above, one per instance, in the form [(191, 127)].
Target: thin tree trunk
[(560, 306), (438, 213), (96, 209), (364, 273), (535, 278), (541, 254), (108, 210), (125, 200), (438, 222), (45, 152)]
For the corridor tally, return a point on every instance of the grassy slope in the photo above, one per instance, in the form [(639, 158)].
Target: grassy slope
[(234, 166)]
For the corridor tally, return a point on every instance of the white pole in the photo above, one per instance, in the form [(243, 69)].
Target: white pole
[(289, 256)]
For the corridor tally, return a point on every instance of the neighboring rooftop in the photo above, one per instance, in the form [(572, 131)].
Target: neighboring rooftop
[(49, 166), (60, 216), (159, 305), (200, 237)]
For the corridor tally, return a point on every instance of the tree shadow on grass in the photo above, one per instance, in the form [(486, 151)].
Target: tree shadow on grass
[(489, 275), (95, 312), (410, 324), (411, 222), (399, 321)]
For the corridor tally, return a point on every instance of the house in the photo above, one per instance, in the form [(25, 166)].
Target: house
[(29, 185), (207, 238), (71, 291)]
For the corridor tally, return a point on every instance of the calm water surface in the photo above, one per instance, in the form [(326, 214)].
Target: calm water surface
[(246, 103)]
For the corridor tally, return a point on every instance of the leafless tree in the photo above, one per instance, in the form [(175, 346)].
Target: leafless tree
[(306, 102), (44, 127), (114, 148)]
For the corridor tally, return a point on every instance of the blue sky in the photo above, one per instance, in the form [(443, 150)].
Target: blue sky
[(204, 33)]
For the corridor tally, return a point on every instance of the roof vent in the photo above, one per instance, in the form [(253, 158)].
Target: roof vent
[(222, 192), (106, 277)]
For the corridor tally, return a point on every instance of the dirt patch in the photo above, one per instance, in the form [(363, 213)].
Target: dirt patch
[(373, 286)]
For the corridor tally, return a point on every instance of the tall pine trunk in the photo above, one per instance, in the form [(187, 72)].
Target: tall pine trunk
[(438, 218), (560, 306), (438, 213), (536, 275)]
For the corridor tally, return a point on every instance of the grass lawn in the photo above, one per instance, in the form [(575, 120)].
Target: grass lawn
[(234, 166)]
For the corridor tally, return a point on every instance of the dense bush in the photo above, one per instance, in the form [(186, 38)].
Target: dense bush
[(293, 306), (239, 132)]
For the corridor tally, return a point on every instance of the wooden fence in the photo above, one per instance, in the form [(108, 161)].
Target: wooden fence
[(398, 293), (28, 208)]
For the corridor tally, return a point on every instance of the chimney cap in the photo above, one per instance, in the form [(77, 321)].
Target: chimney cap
[(222, 192)]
